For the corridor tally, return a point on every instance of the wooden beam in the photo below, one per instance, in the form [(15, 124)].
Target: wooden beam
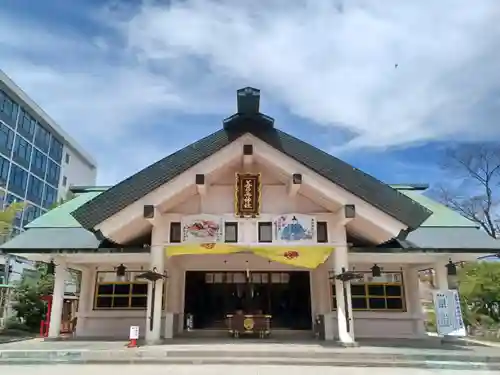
[(247, 155), (150, 213), (201, 186), (294, 184), (345, 214)]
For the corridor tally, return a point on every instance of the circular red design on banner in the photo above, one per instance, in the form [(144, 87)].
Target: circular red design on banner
[(208, 245), (291, 254)]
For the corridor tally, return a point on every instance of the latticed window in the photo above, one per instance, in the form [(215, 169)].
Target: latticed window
[(125, 294), (384, 293)]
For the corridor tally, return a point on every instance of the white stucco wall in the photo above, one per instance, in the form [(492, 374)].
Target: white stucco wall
[(219, 200), (78, 172), (367, 324)]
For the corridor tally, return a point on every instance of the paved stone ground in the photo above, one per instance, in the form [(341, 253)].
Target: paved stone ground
[(425, 346), (428, 353), (11, 339), (219, 370)]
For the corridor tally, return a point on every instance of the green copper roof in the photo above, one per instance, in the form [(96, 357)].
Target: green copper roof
[(442, 216), (52, 238), (60, 217), (57, 229)]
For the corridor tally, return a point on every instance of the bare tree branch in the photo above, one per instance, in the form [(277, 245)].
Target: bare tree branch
[(475, 170)]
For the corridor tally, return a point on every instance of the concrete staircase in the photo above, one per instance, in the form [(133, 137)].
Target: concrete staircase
[(276, 334), (240, 352)]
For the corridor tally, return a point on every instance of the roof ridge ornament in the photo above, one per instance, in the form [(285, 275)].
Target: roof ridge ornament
[(248, 100), (248, 116)]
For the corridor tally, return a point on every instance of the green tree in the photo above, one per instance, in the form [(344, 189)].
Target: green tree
[(69, 196), (479, 286), (28, 305), (26, 295), (7, 216)]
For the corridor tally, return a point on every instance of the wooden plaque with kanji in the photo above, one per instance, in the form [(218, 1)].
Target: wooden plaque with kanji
[(247, 195)]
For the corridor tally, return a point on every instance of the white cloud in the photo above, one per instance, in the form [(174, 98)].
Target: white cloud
[(335, 62), (107, 106), (327, 61)]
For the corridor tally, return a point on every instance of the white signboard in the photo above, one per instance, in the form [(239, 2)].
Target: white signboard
[(449, 319), (134, 333), (202, 229), (294, 228)]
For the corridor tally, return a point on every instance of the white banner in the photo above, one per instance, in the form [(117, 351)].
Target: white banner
[(133, 333), (294, 228), (449, 319), (202, 229)]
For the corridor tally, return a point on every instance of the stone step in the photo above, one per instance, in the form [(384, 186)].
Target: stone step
[(277, 361), (352, 355)]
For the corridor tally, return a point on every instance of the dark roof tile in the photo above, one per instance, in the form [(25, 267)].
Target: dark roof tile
[(366, 187), (150, 178)]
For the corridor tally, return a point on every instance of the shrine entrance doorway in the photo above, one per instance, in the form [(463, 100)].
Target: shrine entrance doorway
[(211, 295)]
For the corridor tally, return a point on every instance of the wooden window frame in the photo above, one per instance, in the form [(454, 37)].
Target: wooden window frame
[(264, 224), (130, 294), (172, 226), (367, 296), (231, 224), (258, 277), (318, 225)]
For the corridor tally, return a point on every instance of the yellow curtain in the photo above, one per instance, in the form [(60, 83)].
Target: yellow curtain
[(212, 248), (299, 256)]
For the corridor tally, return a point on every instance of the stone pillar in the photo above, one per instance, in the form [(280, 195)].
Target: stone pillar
[(412, 291), (84, 300), (173, 309), (345, 331), (441, 275), (181, 300), (153, 322), (320, 290), (57, 298)]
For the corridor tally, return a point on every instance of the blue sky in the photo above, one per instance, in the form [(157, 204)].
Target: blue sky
[(133, 81)]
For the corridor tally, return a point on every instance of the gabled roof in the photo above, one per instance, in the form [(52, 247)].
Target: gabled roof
[(453, 238), (445, 229), (442, 216), (57, 229), (52, 238), (60, 216), (248, 119), (62, 232), (351, 179)]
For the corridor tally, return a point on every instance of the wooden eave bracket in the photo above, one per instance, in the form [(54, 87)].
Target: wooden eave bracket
[(345, 214), (247, 155), (201, 185), (294, 184), (150, 213)]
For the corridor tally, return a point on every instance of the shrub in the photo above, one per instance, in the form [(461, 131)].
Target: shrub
[(13, 324)]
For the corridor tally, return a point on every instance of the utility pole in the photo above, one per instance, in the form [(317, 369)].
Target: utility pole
[(5, 293), (4, 269)]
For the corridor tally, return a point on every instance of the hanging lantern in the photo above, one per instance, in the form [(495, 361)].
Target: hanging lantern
[(376, 271), (51, 268), (120, 270), (451, 268)]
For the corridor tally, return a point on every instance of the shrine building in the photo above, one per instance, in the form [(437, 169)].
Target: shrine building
[(250, 220)]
